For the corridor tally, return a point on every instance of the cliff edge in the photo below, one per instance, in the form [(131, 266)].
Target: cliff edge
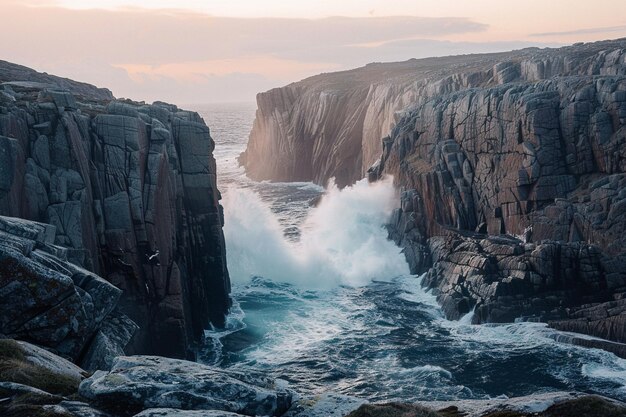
[(512, 168), (127, 192)]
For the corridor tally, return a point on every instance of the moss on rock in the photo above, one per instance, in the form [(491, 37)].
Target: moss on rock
[(14, 367)]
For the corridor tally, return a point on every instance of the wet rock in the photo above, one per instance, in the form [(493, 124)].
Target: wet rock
[(324, 405), (109, 342), (171, 412), (140, 382)]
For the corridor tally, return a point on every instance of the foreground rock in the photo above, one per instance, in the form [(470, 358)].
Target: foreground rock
[(37, 383), (130, 190), (541, 405), (45, 299), (28, 365), (141, 382)]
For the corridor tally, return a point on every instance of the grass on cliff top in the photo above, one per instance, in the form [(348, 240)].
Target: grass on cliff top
[(15, 368), (589, 406)]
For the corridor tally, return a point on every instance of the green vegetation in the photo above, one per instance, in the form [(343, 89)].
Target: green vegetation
[(29, 404), (15, 368)]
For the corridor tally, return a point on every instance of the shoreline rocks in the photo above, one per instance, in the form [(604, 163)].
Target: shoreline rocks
[(512, 168), (40, 384)]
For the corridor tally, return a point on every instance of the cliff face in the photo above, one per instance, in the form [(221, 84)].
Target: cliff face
[(130, 190), (331, 124), (512, 166), (514, 201)]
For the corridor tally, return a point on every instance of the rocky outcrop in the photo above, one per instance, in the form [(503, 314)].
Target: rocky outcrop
[(512, 168), (129, 193), (330, 125), (47, 300), (141, 382), (557, 404), (19, 76), (36, 383), (514, 198)]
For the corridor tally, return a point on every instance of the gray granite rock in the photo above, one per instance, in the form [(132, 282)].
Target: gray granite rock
[(324, 405), (121, 181), (172, 412), (141, 382), (46, 299)]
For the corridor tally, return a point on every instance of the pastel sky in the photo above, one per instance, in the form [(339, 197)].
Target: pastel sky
[(197, 51)]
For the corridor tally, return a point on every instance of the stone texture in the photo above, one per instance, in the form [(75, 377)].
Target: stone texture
[(21, 77), (325, 405), (172, 412), (511, 167), (44, 298), (540, 404), (513, 197), (131, 190), (330, 125), (141, 382)]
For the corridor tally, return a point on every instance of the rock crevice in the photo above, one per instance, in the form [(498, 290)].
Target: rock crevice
[(130, 192)]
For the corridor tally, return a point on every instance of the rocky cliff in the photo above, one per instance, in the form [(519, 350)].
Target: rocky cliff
[(330, 125), (512, 166), (127, 192)]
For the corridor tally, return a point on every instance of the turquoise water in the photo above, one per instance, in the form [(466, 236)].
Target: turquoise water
[(323, 301)]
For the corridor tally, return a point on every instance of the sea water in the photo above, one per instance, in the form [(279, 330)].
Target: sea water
[(324, 301)]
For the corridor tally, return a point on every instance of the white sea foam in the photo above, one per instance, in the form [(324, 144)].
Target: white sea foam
[(343, 240)]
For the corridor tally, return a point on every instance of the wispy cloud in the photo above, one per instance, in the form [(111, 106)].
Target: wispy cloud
[(585, 31), (173, 54)]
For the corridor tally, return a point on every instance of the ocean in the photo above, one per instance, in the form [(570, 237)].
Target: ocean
[(325, 302)]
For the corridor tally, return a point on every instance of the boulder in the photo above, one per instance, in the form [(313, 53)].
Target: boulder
[(28, 365), (172, 412), (324, 405), (138, 383)]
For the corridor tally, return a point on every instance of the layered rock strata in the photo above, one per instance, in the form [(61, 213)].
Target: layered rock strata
[(47, 300), (130, 190), (330, 125), (512, 168)]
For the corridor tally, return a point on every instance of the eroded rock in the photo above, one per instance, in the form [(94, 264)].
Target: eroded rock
[(141, 382)]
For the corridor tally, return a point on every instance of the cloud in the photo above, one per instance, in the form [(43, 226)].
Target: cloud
[(585, 31), (169, 54)]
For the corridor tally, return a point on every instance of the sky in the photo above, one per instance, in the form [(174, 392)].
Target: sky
[(201, 51)]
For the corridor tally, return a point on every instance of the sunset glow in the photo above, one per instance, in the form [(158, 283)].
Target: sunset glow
[(151, 48)]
